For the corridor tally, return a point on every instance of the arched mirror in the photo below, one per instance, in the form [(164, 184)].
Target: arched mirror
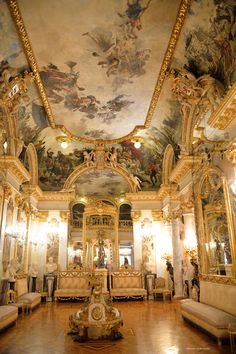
[(217, 227)]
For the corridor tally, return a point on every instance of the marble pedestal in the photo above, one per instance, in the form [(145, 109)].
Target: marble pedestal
[(104, 272)]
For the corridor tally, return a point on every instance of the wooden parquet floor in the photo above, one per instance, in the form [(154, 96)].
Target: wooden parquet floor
[(151, 327)]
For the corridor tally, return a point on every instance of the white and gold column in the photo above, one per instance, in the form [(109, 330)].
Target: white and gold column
[(177, 257), (137, 231)]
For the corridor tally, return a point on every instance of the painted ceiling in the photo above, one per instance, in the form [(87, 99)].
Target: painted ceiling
[(99, 67), (99, 61), (104, 182)]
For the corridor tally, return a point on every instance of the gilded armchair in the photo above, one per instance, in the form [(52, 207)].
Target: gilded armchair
[(160, 288)]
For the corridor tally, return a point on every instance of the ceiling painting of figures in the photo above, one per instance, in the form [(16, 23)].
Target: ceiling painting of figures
[(106, 182), (55, 164), (99, 61)]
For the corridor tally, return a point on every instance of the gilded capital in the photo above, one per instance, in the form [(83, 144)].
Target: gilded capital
[(231, 152), (157, 215), (7, 192), (136, 215), (64, 215)]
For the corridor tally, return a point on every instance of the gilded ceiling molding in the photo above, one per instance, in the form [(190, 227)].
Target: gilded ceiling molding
[(33, 163), (20, 27), (225, 112), (167, 163), (15, 11), (184, 165), (167, 59), (13, 165)]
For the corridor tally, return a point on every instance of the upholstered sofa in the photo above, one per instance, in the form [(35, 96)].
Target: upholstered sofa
[(127, 285), (216, 309), (8, 315), (22, 295), (72, 285)]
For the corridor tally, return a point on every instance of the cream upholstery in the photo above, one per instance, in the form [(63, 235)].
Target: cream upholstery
[(31, 299), (127, 285), (8, 315), (72, 285), (160, 288), (220, 296), (216, 309)]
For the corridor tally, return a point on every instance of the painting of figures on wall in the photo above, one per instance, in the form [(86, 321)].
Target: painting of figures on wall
[(52, 247)]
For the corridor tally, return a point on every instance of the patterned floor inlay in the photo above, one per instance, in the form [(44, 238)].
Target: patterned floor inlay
[(97, 346)]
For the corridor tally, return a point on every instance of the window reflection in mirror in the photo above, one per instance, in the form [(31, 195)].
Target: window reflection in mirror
[(216, 229)]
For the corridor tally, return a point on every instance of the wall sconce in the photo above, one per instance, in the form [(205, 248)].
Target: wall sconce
[(191, 252), (166, 257), (137, 141), (64, 141)]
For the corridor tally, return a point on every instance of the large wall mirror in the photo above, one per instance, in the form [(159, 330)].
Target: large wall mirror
[(217, 236)]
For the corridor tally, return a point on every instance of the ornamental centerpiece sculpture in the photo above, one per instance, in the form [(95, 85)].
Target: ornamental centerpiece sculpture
[(97, 318)]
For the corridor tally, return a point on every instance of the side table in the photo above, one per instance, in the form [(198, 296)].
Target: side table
[(232, 337)]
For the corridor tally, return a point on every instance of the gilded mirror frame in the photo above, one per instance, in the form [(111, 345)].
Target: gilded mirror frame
[(203, 237)]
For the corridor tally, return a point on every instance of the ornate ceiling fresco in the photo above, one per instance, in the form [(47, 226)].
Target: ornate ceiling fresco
[(99, 68), (99, 64)]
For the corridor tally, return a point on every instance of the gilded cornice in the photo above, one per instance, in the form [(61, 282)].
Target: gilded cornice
[(32, 190), (165, 65), (16, 167), (142, 196), (100, 208), (167, 190), (58, 196), (225, 112), (218, 279), (183, 166)]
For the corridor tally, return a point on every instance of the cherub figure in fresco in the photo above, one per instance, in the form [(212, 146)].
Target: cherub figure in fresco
[(133, 15)]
